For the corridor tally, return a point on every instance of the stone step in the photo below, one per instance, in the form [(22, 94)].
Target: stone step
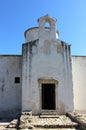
[(56, 129), (74, 125), (49, 112), (49, 116)]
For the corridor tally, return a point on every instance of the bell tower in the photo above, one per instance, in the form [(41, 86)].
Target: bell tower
[(51, 29)]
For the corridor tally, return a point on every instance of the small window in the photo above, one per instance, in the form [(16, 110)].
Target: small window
[(17, 79)]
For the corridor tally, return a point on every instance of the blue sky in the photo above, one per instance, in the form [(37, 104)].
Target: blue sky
[(18, 15)]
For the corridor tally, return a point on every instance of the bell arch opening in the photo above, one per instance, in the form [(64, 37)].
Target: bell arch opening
[(47, 25)]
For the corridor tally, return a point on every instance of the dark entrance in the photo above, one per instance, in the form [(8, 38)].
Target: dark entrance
[(48, 96)]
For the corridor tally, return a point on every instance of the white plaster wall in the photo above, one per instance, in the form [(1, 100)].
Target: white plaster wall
[(31, 34), (10, 93), (51, 66), (46, 58), (34, 34), (79, 82), (43, 65)]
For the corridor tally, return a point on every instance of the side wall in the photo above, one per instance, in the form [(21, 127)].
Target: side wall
[(79, 82), (10, 92)]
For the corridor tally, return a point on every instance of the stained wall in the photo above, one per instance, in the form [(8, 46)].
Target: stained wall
[(10, 92)]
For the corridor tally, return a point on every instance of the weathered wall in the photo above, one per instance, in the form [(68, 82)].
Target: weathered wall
[(79, 82), (10, 92), (46, 58)]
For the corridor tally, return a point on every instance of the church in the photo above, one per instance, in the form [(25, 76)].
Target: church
[(45, 77)]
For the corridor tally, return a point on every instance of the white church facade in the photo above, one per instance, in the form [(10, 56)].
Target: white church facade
[(45, 77)]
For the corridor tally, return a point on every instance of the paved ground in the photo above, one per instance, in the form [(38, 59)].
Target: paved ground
[(3, 128), (61, 122)]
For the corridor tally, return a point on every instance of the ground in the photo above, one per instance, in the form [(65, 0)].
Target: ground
[(47, 122)]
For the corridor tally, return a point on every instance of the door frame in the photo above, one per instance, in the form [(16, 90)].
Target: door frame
[(47, 81)]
